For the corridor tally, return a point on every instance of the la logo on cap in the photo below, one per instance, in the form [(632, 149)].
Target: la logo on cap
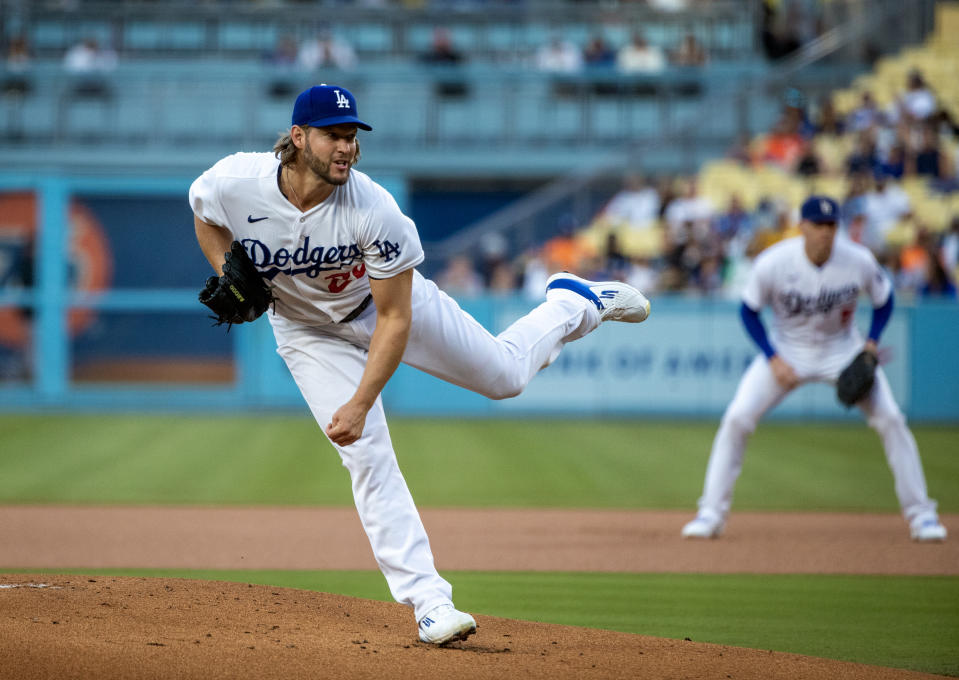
[(825, 207), (341, 100)]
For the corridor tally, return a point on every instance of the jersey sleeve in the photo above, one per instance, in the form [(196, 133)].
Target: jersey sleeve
[(877, 284), (390, 243), (756, 291), (205, 197)]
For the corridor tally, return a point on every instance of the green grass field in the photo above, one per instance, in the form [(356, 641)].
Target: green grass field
[(906, 622)]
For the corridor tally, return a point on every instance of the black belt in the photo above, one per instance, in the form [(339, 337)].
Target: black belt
[(359, 309)]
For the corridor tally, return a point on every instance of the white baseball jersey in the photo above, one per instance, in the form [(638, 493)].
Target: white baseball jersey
[(814, 307), (319, 261), (813, 330)]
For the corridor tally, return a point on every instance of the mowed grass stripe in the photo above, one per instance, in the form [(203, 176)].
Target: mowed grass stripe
[(284, 460)]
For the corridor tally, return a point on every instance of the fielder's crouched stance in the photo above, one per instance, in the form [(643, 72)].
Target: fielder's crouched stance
[(813, 282), (347, 305)]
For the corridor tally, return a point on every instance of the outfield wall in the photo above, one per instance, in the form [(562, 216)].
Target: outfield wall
[(685, 361)]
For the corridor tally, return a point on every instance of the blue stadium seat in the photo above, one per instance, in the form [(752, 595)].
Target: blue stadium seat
[(500, 37), (50, 35), (142, 35), (370, 38), (578, 34), (187, 36), (32, 116), (419, 37), (643, 117), (238, 36), (380, 106), (150, 35), (607, 118)]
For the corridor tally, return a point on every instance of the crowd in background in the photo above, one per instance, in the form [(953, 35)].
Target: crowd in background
[(690, 244), (784, 25)]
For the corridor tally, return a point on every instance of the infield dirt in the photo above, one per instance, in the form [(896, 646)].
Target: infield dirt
[(106, 627)]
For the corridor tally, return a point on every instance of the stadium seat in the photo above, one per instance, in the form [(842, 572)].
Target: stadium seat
[(246, 36)]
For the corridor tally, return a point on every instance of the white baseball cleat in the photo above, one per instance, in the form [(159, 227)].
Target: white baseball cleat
[(703, 527), (444, 624), (615, 300), (928, 530)]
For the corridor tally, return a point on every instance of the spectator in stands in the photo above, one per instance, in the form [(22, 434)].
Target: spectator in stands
[(884, 206), (18, 55), (283, 58), (614, 263), (894, 164), (943, 120), (734, 227), (774, 224), (949, 250), (914, 261), (784, 146), (459, 278), (326, 50), (938, 283), (89, 57), (689, 233), (535, 274), (741, 150), (559, 56), (598, 53), (689, 206), (87, 61), (856, 226), (503, 279), (829, 122), (809, 163), (866, 115), (642, 270), (930, 159), (708, 276), (441, 49), (17, 64), (566, 252), (638, 56), (669, 5), (854, 202), (864, 158), (285, 54), (917, 102), (690, 52), (636, 205)]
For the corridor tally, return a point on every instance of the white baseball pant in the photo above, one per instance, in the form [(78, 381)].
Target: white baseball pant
[(327, 363), (759, 391)]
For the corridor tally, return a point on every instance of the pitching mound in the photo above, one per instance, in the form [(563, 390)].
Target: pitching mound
[(105, 627)]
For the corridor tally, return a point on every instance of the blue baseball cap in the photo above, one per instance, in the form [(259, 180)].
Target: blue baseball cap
[(326, 105), (820, 209)]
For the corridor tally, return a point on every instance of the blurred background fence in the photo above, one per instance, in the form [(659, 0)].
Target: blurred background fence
[(489, 137)]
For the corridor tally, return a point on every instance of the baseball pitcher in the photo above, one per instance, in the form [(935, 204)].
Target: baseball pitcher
[(327, 254)]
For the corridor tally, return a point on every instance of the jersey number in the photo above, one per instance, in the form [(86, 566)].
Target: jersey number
[(339, 281), (846, 316)]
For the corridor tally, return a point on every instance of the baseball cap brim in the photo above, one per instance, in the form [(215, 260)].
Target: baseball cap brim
[(339, 120)]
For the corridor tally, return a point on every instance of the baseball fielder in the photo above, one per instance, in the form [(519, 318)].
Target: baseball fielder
[(812, 282), (349, 306)]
